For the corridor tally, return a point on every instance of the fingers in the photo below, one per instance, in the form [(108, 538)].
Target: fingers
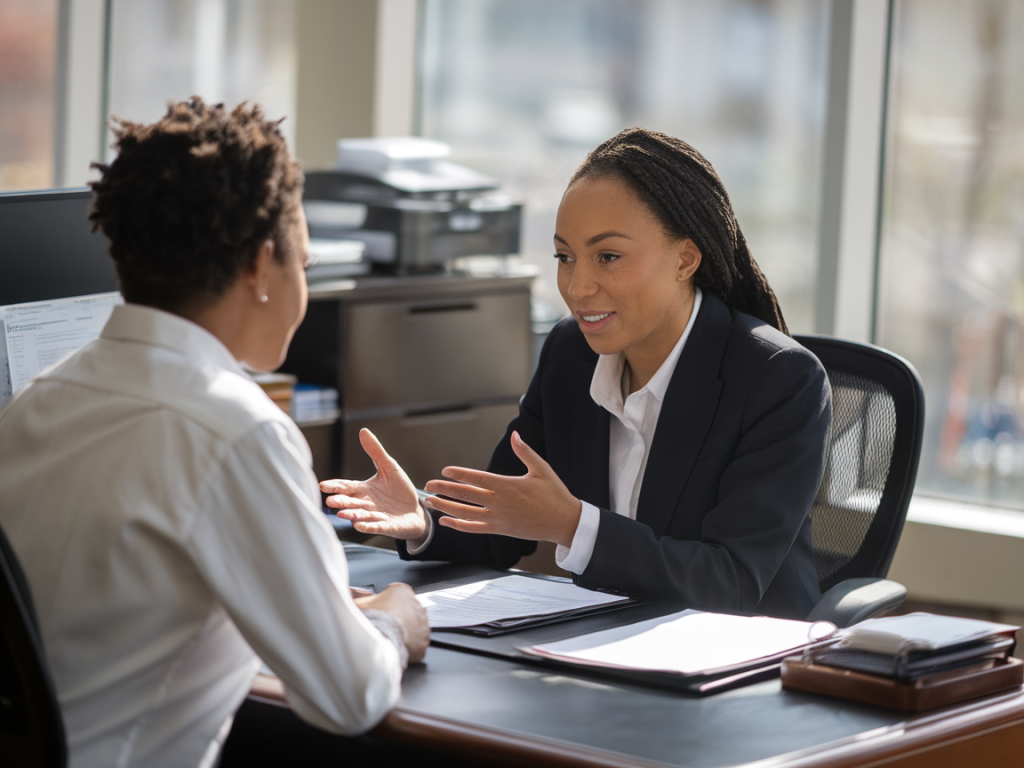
[(374, 449), (375, 525), (460, 492), (378, 528), (475, 477), (343, 501), (467, 526), (338, 486), (535, 465), (358, 513), (455, 509), (401, 604)]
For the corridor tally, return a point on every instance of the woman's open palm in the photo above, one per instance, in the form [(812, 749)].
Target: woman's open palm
[(385, 504)]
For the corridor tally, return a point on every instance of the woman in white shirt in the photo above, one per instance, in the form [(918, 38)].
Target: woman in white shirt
[(671, 440), (163, 508)]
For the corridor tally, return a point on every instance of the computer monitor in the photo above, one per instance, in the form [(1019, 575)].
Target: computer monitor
[(47, 250)]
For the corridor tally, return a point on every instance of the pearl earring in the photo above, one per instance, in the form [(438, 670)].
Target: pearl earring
[(263, 299)]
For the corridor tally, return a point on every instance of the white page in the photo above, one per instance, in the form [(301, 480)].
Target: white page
[(5, 371), (507, 597), (689, 642), (42, 332)]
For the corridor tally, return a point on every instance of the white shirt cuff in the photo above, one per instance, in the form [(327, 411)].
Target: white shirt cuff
[(387, 626), (576, 558), (430, 527)]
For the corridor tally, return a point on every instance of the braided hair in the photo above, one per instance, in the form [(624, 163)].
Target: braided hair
[(684, 193)]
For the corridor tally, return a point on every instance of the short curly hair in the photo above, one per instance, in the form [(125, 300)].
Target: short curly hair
[(189, 199)]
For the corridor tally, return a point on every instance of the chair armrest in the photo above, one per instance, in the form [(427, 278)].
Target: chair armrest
[(854, 600)]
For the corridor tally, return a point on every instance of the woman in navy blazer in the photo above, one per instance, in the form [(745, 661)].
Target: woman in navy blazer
[(652, 265)]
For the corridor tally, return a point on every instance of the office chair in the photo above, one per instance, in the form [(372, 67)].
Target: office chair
[(870, 467), (31, 727)]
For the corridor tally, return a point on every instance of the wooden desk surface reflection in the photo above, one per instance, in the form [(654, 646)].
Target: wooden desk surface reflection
[(467, 704)]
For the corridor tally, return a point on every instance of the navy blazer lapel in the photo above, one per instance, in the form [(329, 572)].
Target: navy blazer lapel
[(590, 435), (686, 415)]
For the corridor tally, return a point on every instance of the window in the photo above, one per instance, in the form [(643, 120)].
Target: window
[(951, 278), (222, 50), (523, 89), (28, 66)]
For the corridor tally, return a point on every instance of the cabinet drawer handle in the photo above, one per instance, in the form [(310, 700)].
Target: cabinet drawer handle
[(439, 415), (430, 308)]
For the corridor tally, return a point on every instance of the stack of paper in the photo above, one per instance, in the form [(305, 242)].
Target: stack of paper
[(333, 258), (279, 387), (511, 602), (689, 643), (314, 403), (912, 663), (918, 644)]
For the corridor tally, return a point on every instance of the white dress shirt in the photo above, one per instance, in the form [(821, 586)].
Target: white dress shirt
[(169, 523), (631, 432)]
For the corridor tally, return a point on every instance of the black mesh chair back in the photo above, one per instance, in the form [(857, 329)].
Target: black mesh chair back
[(871, 461), (31, 726)]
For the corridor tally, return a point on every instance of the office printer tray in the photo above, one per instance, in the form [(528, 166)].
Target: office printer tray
[(929, 692)]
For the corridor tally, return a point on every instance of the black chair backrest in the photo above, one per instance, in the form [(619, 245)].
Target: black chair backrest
[(31, 726), (871, 460)]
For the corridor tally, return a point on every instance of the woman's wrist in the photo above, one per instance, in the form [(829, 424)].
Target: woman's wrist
[(572, 522), (416, 545)]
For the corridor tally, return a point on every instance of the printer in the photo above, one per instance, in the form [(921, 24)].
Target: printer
[(414, 210)]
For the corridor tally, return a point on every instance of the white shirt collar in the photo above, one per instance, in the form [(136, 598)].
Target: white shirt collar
[(147, 325), (606, 385)]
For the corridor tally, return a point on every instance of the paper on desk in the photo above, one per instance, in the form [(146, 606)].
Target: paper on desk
[(5, 371), (40, 333), (688, 643), (507, 597)]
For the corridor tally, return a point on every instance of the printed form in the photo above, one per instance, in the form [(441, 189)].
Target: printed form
[(33, 336), (508, 597)]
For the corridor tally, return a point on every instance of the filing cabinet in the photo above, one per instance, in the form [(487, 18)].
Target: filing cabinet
[(433, 364)]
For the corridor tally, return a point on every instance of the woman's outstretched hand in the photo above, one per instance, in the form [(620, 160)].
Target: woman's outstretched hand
[(386, 504), (536, 505)]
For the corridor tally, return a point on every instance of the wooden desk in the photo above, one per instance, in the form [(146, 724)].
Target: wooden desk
[(473, 705), (519, 713)]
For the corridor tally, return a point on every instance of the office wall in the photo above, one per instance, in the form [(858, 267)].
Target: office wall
[(337, 43)]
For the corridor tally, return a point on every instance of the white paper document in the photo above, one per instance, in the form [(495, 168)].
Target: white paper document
[(688, 643), (38, 334), (508, 597)]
